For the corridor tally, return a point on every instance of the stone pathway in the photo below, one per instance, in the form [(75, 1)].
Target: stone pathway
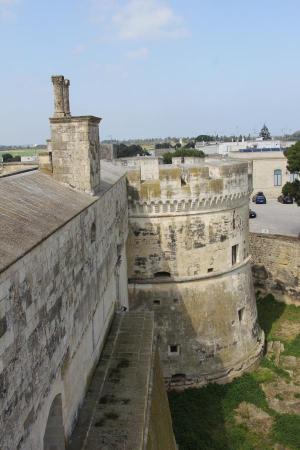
[(114, 413)]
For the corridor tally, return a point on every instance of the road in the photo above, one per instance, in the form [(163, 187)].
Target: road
[(276, 218)]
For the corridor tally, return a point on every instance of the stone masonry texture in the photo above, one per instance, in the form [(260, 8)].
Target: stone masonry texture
[(56, 305), (276, 265), (126, 406), (188, 261)]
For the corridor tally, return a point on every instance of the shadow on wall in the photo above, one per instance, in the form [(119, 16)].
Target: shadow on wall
[(269, 311), (54, 438), (202, 418), (172, 329), (206, 330)]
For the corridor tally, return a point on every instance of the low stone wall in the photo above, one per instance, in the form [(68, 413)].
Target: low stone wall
[(16, 167), (276, 265), (160, 434)]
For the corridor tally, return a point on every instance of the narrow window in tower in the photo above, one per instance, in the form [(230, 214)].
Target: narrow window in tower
[(173, 349), (241, 314), (93, 232), (234, 254), (233, 221)]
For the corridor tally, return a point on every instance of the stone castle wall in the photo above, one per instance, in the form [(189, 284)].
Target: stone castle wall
[(56, 304), (188, 260), (276, 265)]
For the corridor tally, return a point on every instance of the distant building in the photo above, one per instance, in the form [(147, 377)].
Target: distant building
[(270, 171), (33, 158), (224, 148)]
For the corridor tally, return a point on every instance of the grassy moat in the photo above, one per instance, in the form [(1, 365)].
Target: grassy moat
[(259, 411)]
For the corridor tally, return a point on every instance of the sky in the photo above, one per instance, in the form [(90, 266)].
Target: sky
[(151, 68)]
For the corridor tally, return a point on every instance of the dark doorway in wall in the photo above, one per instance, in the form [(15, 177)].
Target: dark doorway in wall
[(162, 275), (54, 437)]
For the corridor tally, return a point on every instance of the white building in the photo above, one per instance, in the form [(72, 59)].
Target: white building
[(224, 148)]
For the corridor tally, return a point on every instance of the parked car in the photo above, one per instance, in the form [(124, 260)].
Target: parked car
[(259, 198), (252, 214), (285, 199)]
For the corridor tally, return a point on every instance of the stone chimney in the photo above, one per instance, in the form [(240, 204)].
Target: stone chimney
[(75, 143)]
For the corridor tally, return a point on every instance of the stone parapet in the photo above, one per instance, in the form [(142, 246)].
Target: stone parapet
[(201, 205), (210, 181)]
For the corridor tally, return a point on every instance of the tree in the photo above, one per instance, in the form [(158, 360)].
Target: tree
[(124, 151), (8, 157), (204, 138), (190, 144), (163, 145), (182, 152), (293, 156), (265, 133)]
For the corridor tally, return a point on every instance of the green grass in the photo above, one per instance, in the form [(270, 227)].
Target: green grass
[(267, 363), (23, 152), (269, 311), (264, 375), (204, 419), (286, 430), (292, 348), (272, 313)]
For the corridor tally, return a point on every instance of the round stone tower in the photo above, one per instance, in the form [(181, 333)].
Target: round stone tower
[(188, 260)]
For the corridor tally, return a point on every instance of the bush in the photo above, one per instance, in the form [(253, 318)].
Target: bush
[(124, 151), (292, 189), (182, 152), (8, 157)]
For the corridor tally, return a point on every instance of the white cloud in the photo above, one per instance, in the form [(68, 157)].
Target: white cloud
[(141, 19), (7, 9), (139, 53)]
